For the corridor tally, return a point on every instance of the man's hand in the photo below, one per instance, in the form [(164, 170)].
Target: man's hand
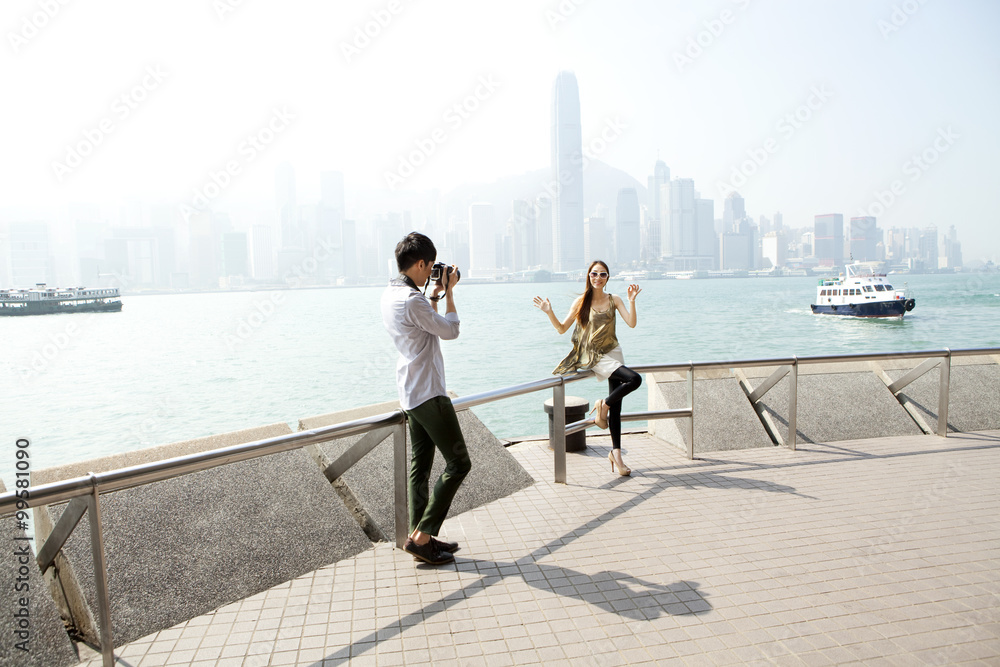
[(451, 278)]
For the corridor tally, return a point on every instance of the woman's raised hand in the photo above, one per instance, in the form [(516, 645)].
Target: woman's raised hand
[(543, 304), (633, 291)]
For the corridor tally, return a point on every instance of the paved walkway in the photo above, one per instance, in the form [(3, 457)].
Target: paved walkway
[(883, 551)]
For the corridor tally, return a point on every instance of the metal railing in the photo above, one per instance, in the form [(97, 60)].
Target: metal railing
[(84, 492)]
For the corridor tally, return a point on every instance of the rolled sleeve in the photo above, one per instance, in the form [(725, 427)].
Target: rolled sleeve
[(423, 316)]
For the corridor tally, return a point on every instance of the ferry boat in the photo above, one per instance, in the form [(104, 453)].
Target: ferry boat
[(861, 293), (44, 301)]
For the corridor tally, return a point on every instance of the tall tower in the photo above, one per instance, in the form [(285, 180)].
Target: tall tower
[(567, 174), (660, 178)]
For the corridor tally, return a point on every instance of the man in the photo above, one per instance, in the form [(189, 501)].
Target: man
[(416, 329)]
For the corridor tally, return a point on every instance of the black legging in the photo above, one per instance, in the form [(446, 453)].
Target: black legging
[(620, 383)]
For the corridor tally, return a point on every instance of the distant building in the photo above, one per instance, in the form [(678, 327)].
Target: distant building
[(627, 237), (775, 249), (567, 174), (865, 237), (829, 232), (950, 256), (523, 235), (235, 254), (734, 210), (595, 240), (29, 254), (657, 205), (262, 252), (928, 247), (543, 224), (482, 241), (682, 222), (287, 207)]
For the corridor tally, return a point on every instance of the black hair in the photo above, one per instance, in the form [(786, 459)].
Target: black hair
[(413, 248), (583, 315)]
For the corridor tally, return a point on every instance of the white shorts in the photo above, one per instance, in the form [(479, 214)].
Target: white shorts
[(609, 363)]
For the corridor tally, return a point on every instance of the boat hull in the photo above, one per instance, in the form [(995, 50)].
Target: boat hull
[(895, 308), (43, 308)]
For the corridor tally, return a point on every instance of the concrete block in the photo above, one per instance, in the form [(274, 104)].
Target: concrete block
[(972, 403), (495, 473), (48, 644), (724, 418), (182, 547), (839, 406)]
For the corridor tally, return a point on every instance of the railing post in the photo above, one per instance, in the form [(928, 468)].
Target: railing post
[(559, 430), (943, 394), (793, 401), (399, 485), (101, 573), (690, 393)]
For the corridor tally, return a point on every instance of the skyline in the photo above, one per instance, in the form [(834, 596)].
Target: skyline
[(836, 107)]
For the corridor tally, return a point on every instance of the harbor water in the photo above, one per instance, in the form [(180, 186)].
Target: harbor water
[(181, 366)]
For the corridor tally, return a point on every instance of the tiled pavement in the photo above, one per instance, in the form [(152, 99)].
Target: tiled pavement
[(883, 551)]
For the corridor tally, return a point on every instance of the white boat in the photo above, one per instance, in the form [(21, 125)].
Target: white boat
[(861, 293)]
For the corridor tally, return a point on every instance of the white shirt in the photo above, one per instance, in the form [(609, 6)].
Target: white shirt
[(416, 329)]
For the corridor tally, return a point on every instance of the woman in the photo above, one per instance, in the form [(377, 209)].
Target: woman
[(596, 348)]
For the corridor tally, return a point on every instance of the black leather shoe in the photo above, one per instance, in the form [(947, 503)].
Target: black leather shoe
[(449, 547), (428, 553)]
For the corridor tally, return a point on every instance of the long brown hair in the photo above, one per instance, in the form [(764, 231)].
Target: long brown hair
[(583, 315)]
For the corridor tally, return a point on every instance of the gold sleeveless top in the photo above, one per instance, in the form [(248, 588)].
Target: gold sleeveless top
[(591, 342)]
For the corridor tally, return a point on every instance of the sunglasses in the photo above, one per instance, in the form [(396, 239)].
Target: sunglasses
[(596, 274)]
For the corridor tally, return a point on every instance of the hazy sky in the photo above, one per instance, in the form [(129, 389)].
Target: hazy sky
[(170, 92)]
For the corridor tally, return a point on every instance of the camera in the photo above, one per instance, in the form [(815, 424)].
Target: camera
[(440, 270)]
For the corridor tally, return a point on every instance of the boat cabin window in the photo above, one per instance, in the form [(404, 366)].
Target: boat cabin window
[(822, 292), (868, 288), (879, 288), (888, 287)]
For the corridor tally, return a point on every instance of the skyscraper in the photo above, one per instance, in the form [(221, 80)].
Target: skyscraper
[(288, 214), (627, 227), (567, 174), (734, 211), (829, 248), (681, 220), (655, 183), (865, 236)]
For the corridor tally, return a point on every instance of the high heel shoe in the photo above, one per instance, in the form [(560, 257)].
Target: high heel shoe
[(600, 419), (623, 470)]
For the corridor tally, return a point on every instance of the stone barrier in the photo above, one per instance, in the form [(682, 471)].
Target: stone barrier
[(724, 418), (972, 404), (182, 547), (495, 473), (46, 643)]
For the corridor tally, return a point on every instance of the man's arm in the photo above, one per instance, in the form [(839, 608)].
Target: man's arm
[(423, 316)]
